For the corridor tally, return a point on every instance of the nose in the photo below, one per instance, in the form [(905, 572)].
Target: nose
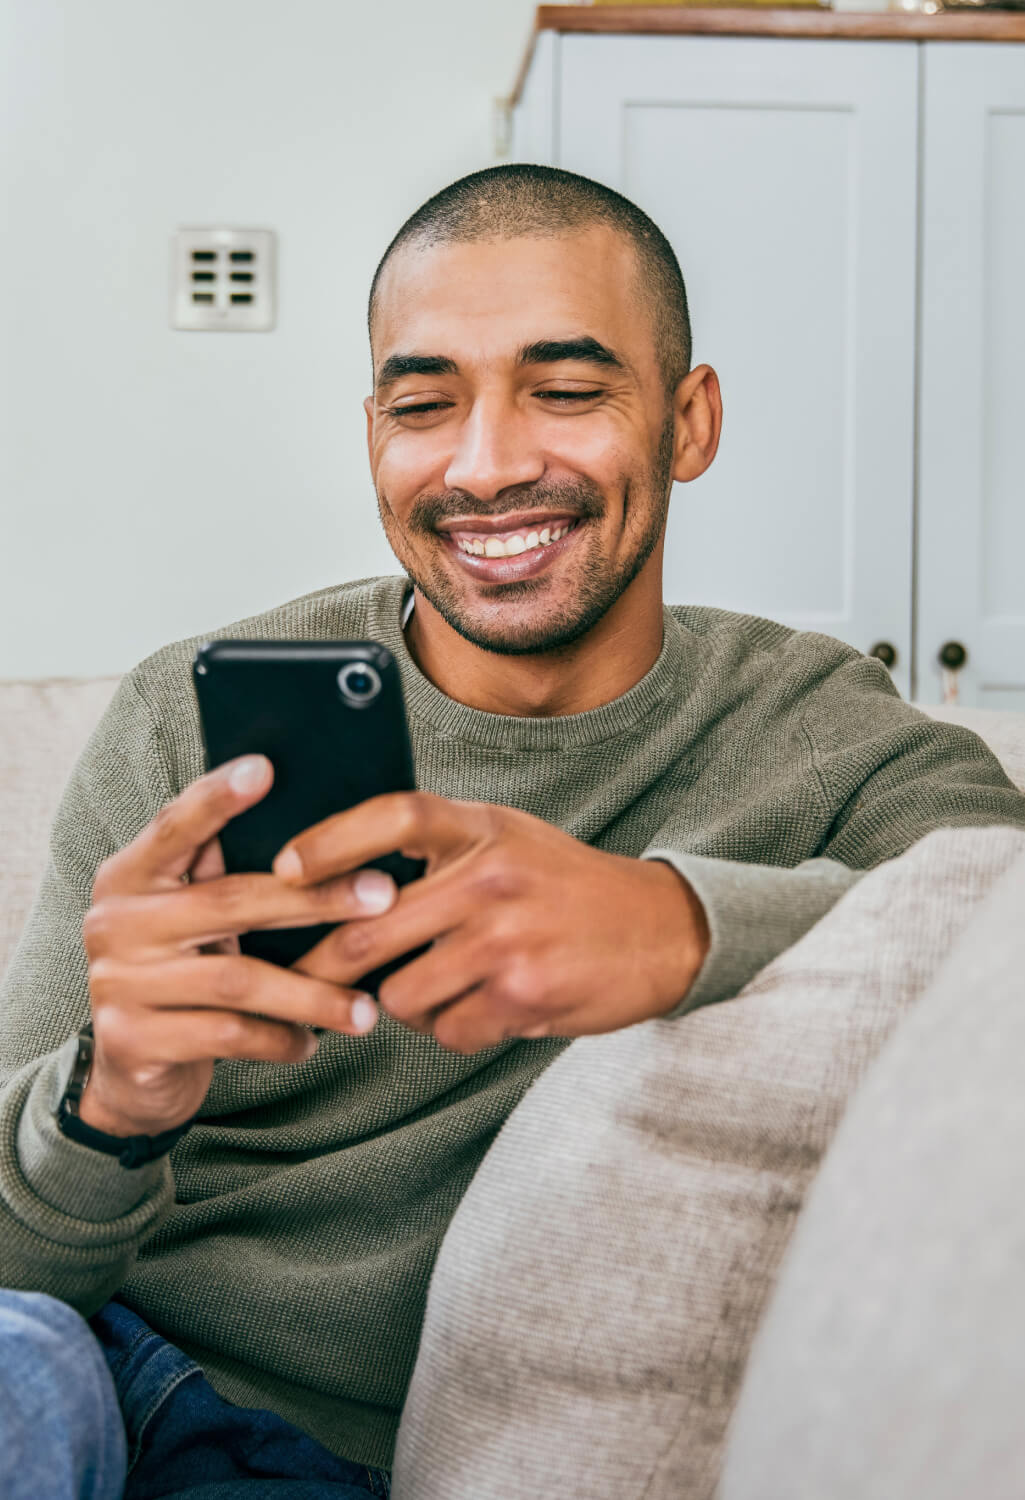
[(493, 452)]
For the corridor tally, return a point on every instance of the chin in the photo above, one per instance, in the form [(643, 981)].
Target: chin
[(545, 630)]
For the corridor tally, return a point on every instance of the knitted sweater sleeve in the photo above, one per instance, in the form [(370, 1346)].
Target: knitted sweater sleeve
[(886, 775), (72, 1219)]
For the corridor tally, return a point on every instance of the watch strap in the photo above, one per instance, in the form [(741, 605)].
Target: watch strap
[(130, 1150)]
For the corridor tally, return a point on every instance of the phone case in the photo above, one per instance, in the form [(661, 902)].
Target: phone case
[(329, 716)]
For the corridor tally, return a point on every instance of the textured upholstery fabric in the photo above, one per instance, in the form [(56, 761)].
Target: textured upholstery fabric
[(596, 1294), (43, 726), (890, 1365)]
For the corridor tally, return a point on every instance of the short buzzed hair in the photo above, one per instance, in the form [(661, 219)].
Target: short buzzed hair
[(522, 199)]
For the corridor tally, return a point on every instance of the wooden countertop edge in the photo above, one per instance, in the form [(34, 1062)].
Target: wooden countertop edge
[(668, 20)]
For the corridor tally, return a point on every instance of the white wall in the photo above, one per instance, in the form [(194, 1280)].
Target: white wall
[(157, 483)]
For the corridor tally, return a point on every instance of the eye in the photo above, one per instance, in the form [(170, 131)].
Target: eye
[(424, 408), (569, 396)]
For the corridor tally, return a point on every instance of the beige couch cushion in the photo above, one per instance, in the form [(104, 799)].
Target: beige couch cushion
[(43, 726), (890, 1364), (1004, 734), (595, 1297)]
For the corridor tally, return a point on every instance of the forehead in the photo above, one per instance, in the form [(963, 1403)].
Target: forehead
[(490, 297)]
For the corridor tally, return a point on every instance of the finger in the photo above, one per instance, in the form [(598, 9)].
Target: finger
[(425, 911), (209, 863), (211, 1035), (182, 988), (496, 993), (166, 848), (144, 927), (450, 969), (417, 824), (479, 1019), (469, 1025)]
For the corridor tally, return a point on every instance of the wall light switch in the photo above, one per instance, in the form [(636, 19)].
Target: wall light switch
[(223, 279)]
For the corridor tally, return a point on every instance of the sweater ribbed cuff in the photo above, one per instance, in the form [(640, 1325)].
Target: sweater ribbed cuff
[(71, 1178), (754, 913)]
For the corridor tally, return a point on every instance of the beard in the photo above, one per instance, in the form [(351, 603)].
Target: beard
[(598, 585)]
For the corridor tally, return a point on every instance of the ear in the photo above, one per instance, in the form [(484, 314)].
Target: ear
[(368, 407), (697, 414)]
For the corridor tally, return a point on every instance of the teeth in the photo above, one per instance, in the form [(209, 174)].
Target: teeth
[(512, 546)]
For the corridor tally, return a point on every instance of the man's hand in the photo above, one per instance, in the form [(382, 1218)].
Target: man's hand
[(171, 992), (534, 933)]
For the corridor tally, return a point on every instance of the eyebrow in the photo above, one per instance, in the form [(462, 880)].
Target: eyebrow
[(582, 349), (397, 365)]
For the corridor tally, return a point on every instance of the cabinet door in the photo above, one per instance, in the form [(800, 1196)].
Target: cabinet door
[(971, 574), (784, 175)]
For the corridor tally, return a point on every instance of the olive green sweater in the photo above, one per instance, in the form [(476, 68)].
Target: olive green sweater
[(288, 1241)]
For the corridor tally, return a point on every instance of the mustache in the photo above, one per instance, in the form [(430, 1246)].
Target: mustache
[(429, 511)]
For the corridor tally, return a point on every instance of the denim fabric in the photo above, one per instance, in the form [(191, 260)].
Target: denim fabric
[(109, 1410), (186, 1441), (61, 1435)]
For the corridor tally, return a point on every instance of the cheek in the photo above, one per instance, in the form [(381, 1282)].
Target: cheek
[(403, 470), (599, 456), (624, 485), (396, 487)]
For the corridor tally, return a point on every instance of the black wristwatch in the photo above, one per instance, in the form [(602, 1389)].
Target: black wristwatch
[(130, 1150)]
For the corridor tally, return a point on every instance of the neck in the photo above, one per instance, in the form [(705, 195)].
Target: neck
[(603, 665)]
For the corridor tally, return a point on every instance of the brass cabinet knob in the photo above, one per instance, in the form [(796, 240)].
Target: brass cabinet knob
[(953, 656), (885, 653)]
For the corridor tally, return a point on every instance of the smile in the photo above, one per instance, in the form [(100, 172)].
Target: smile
[(512, 546), (507, 557)]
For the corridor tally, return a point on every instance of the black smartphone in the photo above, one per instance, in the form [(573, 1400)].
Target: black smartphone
[(329, 716)]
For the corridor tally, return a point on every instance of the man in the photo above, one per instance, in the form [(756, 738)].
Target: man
[(626, 811)]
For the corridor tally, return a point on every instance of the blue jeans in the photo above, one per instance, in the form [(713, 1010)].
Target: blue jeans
[(108, 1410)]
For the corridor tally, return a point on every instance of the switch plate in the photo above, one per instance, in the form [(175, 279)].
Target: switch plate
[(223, 280)]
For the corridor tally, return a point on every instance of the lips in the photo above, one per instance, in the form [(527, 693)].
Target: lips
[(505, 554), (511, 522)]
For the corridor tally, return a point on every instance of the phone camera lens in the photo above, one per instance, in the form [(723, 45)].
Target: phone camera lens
[(359, 683)]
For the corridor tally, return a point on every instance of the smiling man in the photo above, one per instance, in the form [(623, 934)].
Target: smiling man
[(626, 810)]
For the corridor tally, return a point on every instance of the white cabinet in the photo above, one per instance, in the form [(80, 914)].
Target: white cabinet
[(788, 175), (971, 577)]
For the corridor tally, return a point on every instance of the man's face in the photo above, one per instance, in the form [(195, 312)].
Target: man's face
[(520, 435)]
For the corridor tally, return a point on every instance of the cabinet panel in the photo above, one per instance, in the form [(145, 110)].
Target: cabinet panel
[(1003, 442), (971, 564), (762, 314), (784, 175)]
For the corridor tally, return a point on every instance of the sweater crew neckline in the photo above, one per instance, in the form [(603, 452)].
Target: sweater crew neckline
[(475, 726)]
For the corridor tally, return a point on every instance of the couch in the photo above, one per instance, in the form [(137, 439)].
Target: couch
[(595, 1302)]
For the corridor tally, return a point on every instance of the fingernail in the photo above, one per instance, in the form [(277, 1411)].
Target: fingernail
[(247, 774), (374, 889), (288, 865), (312, 1041), (363, 1013)]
